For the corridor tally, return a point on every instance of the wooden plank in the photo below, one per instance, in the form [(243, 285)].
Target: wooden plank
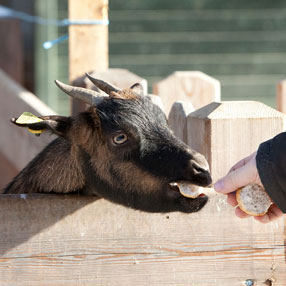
[(17, 144), (88, 44), (226, 132), (60, 240), (196, 87), (281, 96), (178, 119)]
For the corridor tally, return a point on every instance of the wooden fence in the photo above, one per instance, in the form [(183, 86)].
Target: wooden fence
[(74, 240), (49, 240)]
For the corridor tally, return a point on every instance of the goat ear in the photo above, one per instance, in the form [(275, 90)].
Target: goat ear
[(59, 125), (137, 88)]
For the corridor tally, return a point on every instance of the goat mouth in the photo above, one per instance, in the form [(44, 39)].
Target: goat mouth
[(187, 190)]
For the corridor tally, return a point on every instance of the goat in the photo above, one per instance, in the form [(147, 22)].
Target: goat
[(120, 149)]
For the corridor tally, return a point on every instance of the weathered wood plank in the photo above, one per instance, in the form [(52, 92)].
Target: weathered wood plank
[(55, 240)]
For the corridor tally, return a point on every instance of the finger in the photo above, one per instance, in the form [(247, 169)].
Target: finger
[(242, 162), (263, 219), (273, 213), (275, 210), (236, 179), (231, 199), (240, 213)]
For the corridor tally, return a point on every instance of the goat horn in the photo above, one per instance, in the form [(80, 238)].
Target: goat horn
[(104, 86), (90, 97)]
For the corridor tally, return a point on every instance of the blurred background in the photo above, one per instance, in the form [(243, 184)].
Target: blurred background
[(240, 43)]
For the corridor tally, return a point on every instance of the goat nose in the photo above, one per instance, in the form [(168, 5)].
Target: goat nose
[(200, 169), (201, 172)]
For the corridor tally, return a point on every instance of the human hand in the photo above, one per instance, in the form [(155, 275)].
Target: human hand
[(241, 174)]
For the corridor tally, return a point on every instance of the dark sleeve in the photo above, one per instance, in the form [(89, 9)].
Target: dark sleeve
[(271, 165)]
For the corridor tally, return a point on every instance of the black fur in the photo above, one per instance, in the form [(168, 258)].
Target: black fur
[(136, 173)]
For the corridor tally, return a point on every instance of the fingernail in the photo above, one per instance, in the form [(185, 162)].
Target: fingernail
[(219, 186)]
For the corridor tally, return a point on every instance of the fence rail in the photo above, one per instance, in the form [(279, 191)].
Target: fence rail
[(74, 240)]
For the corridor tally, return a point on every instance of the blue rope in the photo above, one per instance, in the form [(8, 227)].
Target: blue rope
[(10, 13), (47, 45)]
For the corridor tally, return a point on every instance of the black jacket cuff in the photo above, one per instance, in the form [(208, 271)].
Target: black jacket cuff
[(271, 166)]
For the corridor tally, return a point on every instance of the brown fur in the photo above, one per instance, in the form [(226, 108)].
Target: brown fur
[(124, 94), (132, 176), (58, 169), (120, 150)]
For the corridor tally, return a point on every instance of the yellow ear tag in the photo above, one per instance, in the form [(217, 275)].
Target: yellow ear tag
[(36, 131), (29, 118)]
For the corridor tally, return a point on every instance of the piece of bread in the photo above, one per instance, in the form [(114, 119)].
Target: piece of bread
[(188, 190), (253, 200)]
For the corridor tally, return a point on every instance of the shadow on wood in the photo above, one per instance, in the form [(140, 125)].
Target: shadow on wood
[(29, 215), (71, 240)]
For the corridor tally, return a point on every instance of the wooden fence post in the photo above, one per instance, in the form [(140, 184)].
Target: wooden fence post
[(226, 132), (193, 86), (177, 119), (281, 96), (88, 44)]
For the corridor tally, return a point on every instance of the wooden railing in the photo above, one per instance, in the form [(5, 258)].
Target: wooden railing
[(75, 240)]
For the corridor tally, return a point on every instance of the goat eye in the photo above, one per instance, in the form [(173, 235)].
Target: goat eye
[(120, 138)]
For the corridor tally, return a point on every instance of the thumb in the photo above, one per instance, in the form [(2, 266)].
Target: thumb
[(236, 179)]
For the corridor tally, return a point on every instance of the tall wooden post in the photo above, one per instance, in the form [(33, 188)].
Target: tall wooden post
[(226, 132), (177, 119), (88, 44), (281, 96)]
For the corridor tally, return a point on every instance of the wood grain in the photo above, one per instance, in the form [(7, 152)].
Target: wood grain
[(88, 44), (178, 119), (226, 132), (60, 240), (193, 86), (281, 96)]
